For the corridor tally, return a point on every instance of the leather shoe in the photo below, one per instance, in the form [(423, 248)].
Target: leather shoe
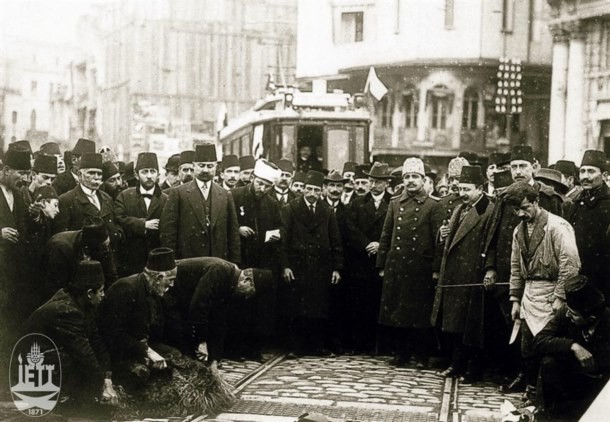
[(449, 372), (516, 385)]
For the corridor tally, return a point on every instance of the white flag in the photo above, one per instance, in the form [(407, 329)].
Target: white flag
[(374, 85), (257, 142)]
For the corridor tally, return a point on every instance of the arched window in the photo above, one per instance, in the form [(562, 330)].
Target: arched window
[(409, 106), (384, 111), (440, 99), (33, 120), (471, 108)]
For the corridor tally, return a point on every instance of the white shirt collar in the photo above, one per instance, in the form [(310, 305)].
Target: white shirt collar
[(279, 192), (310, 203), (203, 185), (147, 192), (333, 203), (88, 192), (377, 198)]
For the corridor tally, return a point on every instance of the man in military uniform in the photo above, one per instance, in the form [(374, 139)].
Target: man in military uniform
[(409, 261), (68, 180), (138, 211)]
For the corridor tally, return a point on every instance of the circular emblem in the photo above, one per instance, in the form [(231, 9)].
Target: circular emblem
[(35, 375)]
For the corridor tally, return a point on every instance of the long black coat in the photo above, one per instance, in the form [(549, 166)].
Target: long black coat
[(460, 309), (196, 307), (131, 215), (64, 182), (130, 318), (184, 225), (311, 248), (73, 329), (408, 254), (590, 216)]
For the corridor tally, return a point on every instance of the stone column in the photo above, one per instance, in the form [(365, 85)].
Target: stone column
[(422, 115), (574, 124), (558, 94)]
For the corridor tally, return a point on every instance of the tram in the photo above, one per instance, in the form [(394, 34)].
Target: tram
[(316, 130)]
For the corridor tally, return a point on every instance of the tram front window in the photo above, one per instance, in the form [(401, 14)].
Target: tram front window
[(309, 144)]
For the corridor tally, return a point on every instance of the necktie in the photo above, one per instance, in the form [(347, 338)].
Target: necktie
[(93, 199), (312, 209), (147, 196), (204, 190)]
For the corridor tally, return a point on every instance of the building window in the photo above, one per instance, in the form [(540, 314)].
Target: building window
[(14, 117), (440, 99), (409, 107), (471, 109), (449, 4), (33, 87), (508, 15), (33, 120), (384, 111), (352, 27)]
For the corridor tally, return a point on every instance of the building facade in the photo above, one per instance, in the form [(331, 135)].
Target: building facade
[(580, 100), (439, 60)]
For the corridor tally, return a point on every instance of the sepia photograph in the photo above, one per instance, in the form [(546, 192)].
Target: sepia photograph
[(305, 210)]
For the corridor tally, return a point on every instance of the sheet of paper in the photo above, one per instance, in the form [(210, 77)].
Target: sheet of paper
[(270, 233)]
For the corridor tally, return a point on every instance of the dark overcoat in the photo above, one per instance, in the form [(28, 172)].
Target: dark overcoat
[(131, 215), (408, 254), (130, 318), (311, 248), (291, 197), (589, 213), (64, 182), (83, 354), (460, 309), (187, 230)]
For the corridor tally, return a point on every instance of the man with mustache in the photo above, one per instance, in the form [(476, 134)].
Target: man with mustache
[(186, 169), (452, 200), (199, 217), (281, 190), (349, 171), (246, 167), (138, 211), (43, 173), (543, 256), (589, 214), (362, 185), (230, 171), (113, 182), (298, 184), (66, 181), (171, 172), (498, 161)]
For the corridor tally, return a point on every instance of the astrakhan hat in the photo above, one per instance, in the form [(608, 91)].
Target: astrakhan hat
[(454, 169), (413, 165)]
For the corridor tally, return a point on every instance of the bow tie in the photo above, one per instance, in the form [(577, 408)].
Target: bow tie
[(146, 195)]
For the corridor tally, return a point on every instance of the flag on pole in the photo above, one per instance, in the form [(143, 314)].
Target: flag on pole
[(222, 118), (374, 85), (257, 141)]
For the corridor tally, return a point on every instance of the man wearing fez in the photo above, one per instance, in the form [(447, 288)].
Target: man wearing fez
[(311, 258), (575, 346), (246, 167), (569, 176), (281, 190), (349, 170), (138, 211), (458, 311), (408, 260), (361, 180), (52, 149), (67, 180), (197, 307), (230, 171), (589, 214), (14, 172), (131, 319), (199, 217), (186, 169), (66, 249), (498, 161), (112, 180), (43, 173), (450, 202), (258, 216), (68, 318), (171, 172), (298, 184), (544, 255), (365, 224)]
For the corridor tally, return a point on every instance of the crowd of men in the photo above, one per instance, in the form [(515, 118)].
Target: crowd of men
[(225, 258)]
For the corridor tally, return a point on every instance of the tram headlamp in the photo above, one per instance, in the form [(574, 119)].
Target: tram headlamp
[(288, 100), (358, 100)]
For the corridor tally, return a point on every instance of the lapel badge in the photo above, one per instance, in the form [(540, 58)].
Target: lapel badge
[(241, 211)]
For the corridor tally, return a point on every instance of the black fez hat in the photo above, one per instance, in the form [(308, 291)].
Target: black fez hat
[(349, 166), (567, 168), (94, 231), (503, 179), (50, 148), (187, 157), (246, 162), (45, 192), (263, 279), (147, 160), (314, 178), (472, 174), (299, 176), (582, 296), (21, 145), (228, 161), (522, 152), (470, 156), (87, 275), (205, 153), (334, 176), (594, 158), (121, 165), (499, 158), (109, 169), (285, 165), (91, 161), (161, 259), (361, 171), (83, 146), (552, 178), (379, 171), (18, 159), (45, 164), (129, 172), (172, 163)]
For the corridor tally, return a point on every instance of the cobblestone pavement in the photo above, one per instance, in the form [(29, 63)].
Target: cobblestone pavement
[(359, 388)]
